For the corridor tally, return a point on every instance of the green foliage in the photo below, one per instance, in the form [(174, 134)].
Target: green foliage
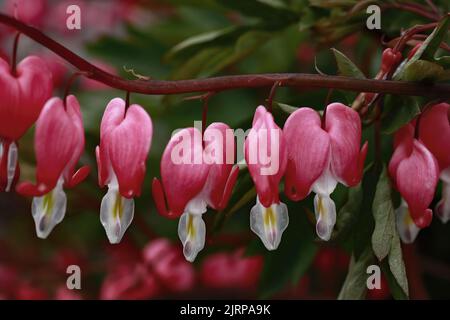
[(398, 111), (346, 67), (383, 213), (354, 287), (422, 65)]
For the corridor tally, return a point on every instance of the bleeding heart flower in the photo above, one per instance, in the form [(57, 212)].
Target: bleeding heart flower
[(434, 132), (194, 177), (125, 140), (168, 264), (321, 153), (231, 271), (23, 95), (414, 172), (266, 156), (59, 143)]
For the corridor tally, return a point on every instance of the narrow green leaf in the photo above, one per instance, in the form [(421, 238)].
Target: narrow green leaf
[(274, 13), (346, 66), (215, 37), (396, 264), (383, 213), (285, 107), (394, 288), (212, 60), (355, 284)]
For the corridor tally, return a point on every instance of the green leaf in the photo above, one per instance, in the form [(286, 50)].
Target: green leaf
[(383, 213), (426, 52), (395, 290), (398, 111), (212, 60), (348, 213), (285, 107), (355, 284), (433, 41), (396, 264), (286, 265), (346, 67), (273, 12), (422, 70), (222, 37)]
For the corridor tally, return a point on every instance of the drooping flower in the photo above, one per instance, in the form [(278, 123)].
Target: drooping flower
[(415, 172), (321, 153), (266, 156), (434, 132), (59, 143), (194, 177), (22, 95), (125, 140)]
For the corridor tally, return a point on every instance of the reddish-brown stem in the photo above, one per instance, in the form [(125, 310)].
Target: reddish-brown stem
[(272, 93), (127, 100), (14, 54), (70, 82), (205, 112), (417, 9), (157, 87)]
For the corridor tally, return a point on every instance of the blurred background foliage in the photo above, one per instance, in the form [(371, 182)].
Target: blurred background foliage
[(182, 39)]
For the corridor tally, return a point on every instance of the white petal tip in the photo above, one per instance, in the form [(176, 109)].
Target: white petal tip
[(192, 232), (325, 211), (48, 211), (407, 229), (269, 223), (116, 215)]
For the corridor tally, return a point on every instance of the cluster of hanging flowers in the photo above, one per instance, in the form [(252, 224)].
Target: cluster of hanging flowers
[(422, 157), (313, 152)]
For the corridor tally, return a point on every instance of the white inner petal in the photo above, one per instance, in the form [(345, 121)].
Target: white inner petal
[(197, 205), (116, 212), (269, 223), (11, 165), (406, 227), (325, 211), (443, 206), (326, 183), (192, 232), (49, 210)]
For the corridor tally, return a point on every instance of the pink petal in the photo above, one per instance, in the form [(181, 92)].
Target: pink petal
[(416, 178), (74, 112), (219, 150), (112, 117), (128, 146), (57, 139), (308, 152), (22, 96), (344, 128), (435, 133), (183, 172), (266, 140)]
